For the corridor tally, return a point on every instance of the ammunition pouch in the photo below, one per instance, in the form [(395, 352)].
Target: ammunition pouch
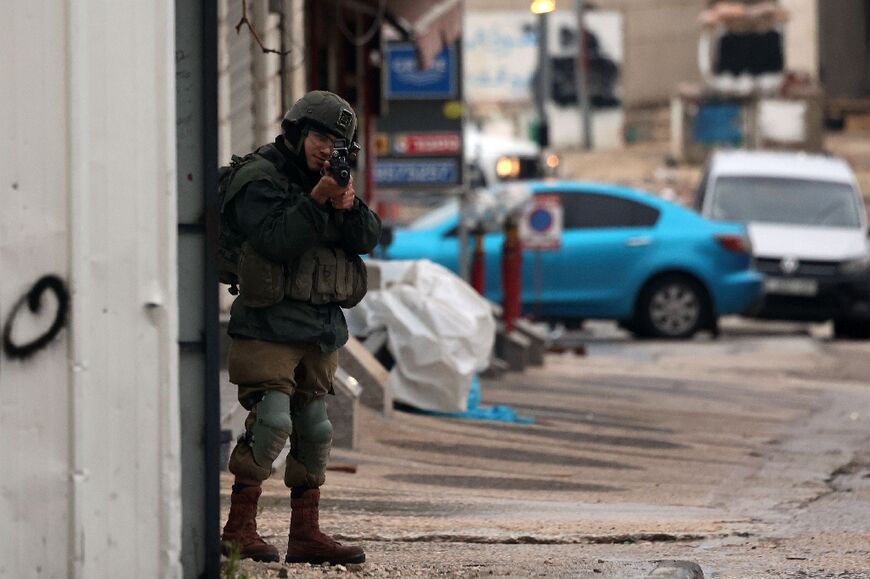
[(324, 275), (319, 276), (261, 281)]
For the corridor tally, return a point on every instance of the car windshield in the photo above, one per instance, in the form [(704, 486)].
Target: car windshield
[(787, 201), (435, 217)]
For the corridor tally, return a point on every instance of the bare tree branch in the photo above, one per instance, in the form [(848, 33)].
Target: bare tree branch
[(245, 21)]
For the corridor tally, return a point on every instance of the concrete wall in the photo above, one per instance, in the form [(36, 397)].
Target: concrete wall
[(802, 36), (89, 419), (845, 29), (250, 85), (661, 47)]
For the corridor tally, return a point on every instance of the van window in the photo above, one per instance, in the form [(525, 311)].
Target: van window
[(786, 201)]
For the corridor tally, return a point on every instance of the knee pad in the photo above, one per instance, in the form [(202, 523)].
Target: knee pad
[(312, 442), (272, 427), (243, 465)]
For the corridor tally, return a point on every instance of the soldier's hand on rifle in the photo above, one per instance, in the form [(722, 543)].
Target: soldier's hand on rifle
[(327, 189), (345, 200)]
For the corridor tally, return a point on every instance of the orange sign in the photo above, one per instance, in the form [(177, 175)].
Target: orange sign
[(382, 144)]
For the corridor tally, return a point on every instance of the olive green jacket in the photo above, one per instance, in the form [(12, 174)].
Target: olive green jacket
[(272, 208)]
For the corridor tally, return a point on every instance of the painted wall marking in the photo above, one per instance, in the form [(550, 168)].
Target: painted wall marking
[(34, 301)]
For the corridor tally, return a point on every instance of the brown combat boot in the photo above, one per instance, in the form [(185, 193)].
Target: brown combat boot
[(240, 532), (307, 544)]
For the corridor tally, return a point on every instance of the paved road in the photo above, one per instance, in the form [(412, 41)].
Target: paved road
[(749, 455)]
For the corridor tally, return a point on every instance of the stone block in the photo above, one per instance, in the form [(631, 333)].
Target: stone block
[(539, 340), (343, 410), (513, 348), (357, 361), (496, 368)]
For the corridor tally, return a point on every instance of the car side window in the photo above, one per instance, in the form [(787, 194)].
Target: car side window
[(598, 211)]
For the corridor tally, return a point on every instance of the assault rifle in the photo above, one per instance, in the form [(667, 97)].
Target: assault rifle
[(339, 161)]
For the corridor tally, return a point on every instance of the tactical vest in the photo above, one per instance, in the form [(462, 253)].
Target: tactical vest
[(321, 275)]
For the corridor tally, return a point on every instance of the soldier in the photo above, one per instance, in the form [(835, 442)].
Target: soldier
[(300, 233)]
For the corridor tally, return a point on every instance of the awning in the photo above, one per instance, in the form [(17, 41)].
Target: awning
[(429, 24)]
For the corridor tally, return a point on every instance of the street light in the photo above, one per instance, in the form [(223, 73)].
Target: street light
[(543, 6)]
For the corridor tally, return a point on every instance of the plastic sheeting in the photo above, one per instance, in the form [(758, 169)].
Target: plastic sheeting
[(439, 331), (475, 411)]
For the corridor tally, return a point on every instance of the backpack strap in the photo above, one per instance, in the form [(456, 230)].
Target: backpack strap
[(250, 168)]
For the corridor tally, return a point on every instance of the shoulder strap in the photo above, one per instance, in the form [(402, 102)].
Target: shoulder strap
[(256, 166)]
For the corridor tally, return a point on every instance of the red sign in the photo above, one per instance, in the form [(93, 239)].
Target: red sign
[(427, 144), (541, 227)]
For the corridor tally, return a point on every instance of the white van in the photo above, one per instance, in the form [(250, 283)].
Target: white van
[(493, 159), (808, 226)]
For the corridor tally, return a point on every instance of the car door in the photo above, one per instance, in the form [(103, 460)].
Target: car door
[(605, 239)]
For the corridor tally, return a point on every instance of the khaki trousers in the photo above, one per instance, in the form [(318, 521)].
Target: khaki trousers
[(302, 372)]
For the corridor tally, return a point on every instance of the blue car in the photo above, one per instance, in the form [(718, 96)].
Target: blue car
[(659, 269)]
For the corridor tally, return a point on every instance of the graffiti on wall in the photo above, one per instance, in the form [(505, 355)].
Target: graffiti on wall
[(34, 301)]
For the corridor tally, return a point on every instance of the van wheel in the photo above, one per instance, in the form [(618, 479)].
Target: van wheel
[(851, 329), (672, 307)]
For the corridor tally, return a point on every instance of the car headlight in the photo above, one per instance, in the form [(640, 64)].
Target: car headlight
[(856, 266), (507, 167), (552, 161)]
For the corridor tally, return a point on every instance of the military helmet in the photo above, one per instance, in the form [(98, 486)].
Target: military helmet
[(325, 110)]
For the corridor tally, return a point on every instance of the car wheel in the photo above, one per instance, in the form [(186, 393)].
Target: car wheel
[(629, 326), (672, 307), (851, 329)]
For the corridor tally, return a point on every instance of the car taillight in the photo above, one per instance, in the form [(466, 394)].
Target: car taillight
[(735, 243)]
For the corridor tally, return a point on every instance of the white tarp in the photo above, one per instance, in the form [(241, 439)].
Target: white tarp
[(440, 332)]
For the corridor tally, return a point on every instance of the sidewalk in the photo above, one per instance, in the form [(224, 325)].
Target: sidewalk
[(641, 452), (601, 485)]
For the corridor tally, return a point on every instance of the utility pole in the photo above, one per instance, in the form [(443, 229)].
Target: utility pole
[(542, 92), (583, 76)]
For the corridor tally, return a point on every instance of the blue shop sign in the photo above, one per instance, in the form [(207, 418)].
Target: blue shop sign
[(405, 172), (405, 80)]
